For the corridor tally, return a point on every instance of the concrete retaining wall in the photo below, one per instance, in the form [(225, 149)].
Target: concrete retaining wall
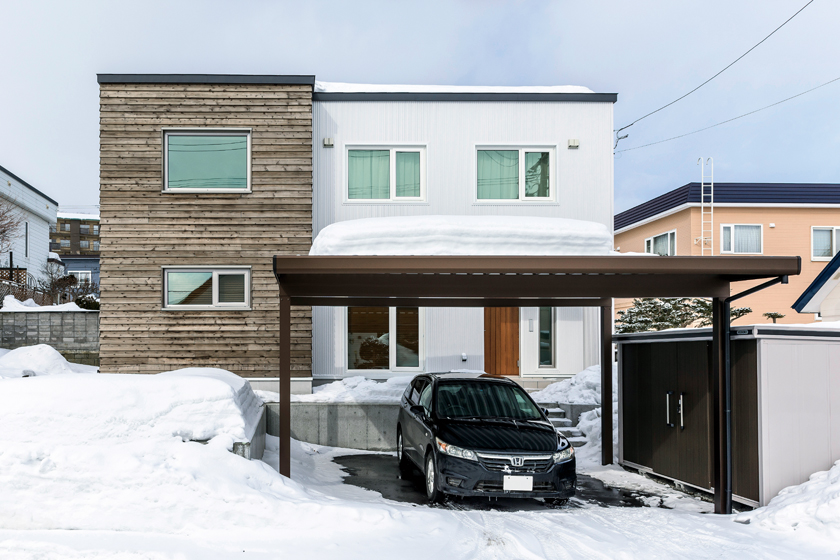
[(75, 334), (351, 425)]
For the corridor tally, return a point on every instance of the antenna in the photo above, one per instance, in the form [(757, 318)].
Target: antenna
[(707, 207)]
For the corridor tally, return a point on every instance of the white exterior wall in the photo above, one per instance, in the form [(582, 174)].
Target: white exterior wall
[(799, 411), (40, 213), (451, 132)]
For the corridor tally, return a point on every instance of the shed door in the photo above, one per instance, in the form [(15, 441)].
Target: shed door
[(501, 340)]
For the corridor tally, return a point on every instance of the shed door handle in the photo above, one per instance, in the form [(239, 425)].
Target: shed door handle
[(682, 418), (668, 409)]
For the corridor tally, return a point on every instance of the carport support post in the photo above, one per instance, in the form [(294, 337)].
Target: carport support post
[(722, 396), (606, 386), (285, 389)]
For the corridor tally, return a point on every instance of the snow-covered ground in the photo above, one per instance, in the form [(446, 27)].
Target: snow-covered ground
[(13, 305), (100, 466)]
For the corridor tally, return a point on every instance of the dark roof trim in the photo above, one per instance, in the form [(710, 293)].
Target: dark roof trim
[(824, 276), (451, 96), (733, 193), (204, 79), (749, 331), (27, 185)]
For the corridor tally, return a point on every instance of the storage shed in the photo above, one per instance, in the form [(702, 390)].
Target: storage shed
[(785, 406)]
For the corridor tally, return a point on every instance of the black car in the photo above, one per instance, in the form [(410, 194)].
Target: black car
[(482, 435)]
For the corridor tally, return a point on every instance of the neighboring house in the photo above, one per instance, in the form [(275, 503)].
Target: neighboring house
[(75, 237), (393, 150), (822, 297), (748, 219), (31, 247), (221, 172)]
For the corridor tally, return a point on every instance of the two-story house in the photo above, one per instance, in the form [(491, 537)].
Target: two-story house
[(75, 238), (30, 246), (205, 177), (743, 219)]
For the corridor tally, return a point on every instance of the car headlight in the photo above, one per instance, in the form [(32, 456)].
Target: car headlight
[(456, 451), (564, 454)]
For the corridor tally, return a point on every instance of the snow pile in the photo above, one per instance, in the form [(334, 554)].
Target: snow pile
[(12, 305), (41, 359), (463, 235), (358, 390), (583, 388), (54, 256), (811, 508), (342, 87)]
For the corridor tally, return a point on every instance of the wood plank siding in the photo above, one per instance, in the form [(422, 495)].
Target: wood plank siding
[(144, 229)]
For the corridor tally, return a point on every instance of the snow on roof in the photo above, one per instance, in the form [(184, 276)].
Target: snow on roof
[(463, 235), (54, 256), (77, 216), (341, 87)]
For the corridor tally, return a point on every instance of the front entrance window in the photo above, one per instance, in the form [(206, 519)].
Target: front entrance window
[(370, 332), (546, 337)]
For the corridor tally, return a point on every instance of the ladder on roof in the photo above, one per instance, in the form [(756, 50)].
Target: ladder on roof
[(707, 207)]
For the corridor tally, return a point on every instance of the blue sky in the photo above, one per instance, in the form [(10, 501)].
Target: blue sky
[(649, 52)]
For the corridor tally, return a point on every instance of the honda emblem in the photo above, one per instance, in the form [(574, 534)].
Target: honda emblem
[(517, 461)]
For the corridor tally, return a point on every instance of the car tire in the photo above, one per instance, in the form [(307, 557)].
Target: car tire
[(402, 459), (557, 502), (430, 480)]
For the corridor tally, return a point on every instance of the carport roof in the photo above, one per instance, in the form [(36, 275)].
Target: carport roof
[(480, 281)]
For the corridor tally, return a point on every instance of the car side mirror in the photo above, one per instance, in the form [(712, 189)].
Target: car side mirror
[(545, 411), (418, 410)]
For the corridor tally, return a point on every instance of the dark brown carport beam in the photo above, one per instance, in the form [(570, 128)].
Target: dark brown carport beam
[(450, 302)]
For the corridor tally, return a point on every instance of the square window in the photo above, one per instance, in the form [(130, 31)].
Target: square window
[(514, 174), (824, 242), (84, 244), (65, 243), (741, 239), (385, 174), (384, 338), (84, 229), (65, 226), (206, 288), (212, 161)]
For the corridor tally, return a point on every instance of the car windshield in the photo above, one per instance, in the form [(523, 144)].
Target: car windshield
[(477, 399)]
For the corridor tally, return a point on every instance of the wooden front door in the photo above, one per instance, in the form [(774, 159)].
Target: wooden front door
[(501, 340)]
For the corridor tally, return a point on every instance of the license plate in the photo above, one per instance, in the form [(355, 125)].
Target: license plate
[(518, 483)]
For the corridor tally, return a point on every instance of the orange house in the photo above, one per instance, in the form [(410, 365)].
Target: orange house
[(777, 219)]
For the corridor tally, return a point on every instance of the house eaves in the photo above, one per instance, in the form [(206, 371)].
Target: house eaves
[(28, 186), (823, 284)]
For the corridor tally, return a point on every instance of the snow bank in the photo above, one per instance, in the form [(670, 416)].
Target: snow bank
[(358, 390), (583, 388), (40, 359), (341, 87), (193, 404), (463, 235), (12, 305), (811, 509)]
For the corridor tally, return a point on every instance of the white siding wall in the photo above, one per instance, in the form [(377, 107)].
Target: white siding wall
[(40, 213), (799, 396), (450, 132)]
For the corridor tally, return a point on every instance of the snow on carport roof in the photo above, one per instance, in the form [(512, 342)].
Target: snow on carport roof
[(342, 87)]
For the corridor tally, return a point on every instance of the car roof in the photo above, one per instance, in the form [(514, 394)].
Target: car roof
[(473, 375)]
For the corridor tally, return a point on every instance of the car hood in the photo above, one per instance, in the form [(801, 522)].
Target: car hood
[(499, 436)]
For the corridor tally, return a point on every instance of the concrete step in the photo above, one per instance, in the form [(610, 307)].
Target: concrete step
[(577, 441), (570, 432), (560, 422)]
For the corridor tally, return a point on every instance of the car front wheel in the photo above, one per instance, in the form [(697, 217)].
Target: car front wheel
[(404, 461), (432, 493)]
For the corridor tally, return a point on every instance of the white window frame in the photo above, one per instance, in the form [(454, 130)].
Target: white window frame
[(668, 233), (216, 305), (87, 273), (392, 173), (732, 239), (392, 348), (553, 321), (834, 244), (552, 174), (166, 132)]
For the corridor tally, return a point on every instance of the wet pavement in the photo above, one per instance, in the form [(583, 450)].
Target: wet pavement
[(380, 473)]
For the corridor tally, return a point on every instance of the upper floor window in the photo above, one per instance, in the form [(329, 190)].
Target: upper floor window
[(53, 228), (65, 226), (515, 174), (206, 288), (96, 245), (84, 229), (825, 242), (741, 238), (664, 244), (207, 160), (82, 276), (84, 244), (65, 243), (386, 174), (95, 230)]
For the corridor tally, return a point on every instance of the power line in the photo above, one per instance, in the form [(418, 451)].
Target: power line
[(619, 138), (733, 118)]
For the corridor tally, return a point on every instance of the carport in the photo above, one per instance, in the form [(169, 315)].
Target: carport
[(533, 281)]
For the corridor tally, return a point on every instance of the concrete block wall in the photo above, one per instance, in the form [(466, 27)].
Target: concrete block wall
[(75, 334)]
